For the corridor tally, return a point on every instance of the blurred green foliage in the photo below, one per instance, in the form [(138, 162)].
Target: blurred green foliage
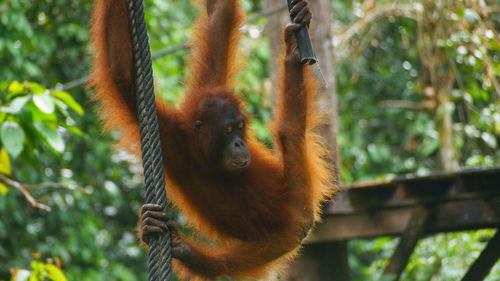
[(443, 257), (92, 236), (28, 113), (39, 272), (383, 63), (386, 66)]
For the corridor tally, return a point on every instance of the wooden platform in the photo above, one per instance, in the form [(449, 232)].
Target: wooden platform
[(462, 200)]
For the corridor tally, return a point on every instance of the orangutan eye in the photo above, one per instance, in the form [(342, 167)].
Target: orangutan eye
[(241, 124), (198, 124), (229, 129)]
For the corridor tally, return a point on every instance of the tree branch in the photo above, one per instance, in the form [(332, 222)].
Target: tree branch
[(407, 10), (25, 188), (409, 105)]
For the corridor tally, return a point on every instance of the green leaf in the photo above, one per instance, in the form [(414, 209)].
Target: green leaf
[(63, 108), (44, 102), (12, 136), (72, 129), (5, 167), (53, 138), (15, 87), (15, 105), (68, 100), (489, 139), (36, 88), (38, 115), (3, 189), (55, 273)]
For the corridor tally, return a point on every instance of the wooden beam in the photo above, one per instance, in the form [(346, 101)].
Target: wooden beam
[(449, 216), (466, 172), (412, 190), (489, 256), (407, 243)]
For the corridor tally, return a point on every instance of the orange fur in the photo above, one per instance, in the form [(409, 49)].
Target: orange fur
[(258, 218)]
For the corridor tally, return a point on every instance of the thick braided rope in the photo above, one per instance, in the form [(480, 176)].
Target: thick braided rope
[(159, 257)]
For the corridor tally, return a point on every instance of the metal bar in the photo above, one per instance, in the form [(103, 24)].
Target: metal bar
[(306, 49)]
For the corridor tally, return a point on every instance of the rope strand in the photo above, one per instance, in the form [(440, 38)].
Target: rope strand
[(159, 256)]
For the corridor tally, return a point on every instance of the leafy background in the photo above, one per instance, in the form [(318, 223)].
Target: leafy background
[(51, 135)]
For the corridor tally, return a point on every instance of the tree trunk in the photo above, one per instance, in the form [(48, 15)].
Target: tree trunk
[(322, 42), (274, 31), (438, 75), (444, 124)]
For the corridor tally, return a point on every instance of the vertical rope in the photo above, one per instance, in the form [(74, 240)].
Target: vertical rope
[(159, 257)]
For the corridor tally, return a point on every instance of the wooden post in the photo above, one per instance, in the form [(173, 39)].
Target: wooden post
[(407, 244), (321, 35), (274, 32), (483, 264), (339, 262), (320, 262)]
